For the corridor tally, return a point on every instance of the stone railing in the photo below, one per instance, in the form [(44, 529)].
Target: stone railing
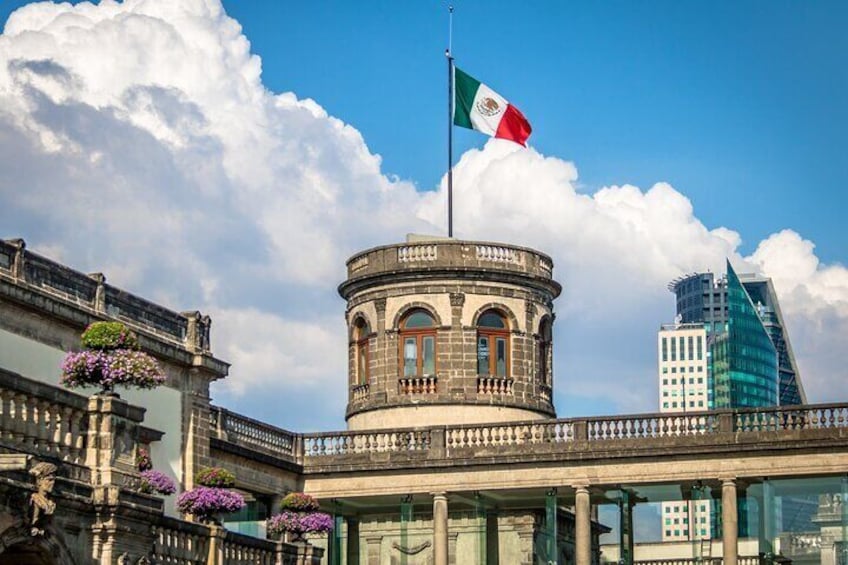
[(684, 561), (822, 416), (417, 385), (545, 436), (522, 433), (494, 385), (449, 254), (359, 391), (350, 443), (650, 426), (239, 549), (247, 432), (499, 254), (42, 419), (90, 292), (412, 253), (180, 543)]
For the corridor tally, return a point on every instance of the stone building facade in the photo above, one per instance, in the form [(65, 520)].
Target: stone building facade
[(453, 452)]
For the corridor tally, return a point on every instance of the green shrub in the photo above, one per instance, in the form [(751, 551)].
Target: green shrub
[(215, 477), (106, 336)]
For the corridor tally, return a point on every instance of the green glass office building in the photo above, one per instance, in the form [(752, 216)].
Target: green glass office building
[(744, 358)]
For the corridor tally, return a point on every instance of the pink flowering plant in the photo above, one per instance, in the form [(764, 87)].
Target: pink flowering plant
[(156, 482), (299, 502), (299, 522), (206, 502), (112, 358), (215, 477), (142, 460), (299, 516)]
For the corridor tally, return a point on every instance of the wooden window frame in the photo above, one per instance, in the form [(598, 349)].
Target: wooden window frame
[(419, 334), (491, 335), (363, 357)]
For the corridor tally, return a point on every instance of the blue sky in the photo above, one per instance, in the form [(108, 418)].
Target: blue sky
[(667, 136), (741, 106)]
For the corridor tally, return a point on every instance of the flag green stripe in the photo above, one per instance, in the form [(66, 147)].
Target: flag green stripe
[(465, 89)]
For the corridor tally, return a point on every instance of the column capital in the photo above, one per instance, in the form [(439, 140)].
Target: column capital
[(581, 487), (440, 495), (728, 480)]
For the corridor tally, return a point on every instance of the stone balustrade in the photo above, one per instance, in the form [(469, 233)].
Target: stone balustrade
[(360, 391), (180, 543), (239, 549), (247, 432), (651, 426), (746, 560), (522, 433), (417, 385), (42, 419), (720, 427), (494, 385), (352, 443), (412, 253), (449, 254), (23, 269)]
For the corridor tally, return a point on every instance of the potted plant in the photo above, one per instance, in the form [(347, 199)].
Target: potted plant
[(157, 482), (299, 516), (208, 503), (213, 497), (111, 358)]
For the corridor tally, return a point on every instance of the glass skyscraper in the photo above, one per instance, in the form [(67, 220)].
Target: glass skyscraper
[(750, 361), (744, 359)]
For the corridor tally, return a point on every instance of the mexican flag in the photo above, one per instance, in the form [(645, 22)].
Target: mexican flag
[(476, 106)]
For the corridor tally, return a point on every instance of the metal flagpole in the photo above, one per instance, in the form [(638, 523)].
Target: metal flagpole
[(449, 55)]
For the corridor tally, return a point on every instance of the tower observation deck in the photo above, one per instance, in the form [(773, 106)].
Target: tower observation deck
[(449, 332)]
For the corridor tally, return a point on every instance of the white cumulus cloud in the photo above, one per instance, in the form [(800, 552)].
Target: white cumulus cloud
[(138, 139)]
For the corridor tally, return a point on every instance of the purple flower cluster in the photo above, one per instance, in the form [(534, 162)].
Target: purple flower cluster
[(215, 477), (299, 501), (205, 502), (109, 368), (299, 522), (158, 482)]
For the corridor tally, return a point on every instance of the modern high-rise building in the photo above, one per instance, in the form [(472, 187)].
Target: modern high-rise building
[(747, 361), (739, 311)]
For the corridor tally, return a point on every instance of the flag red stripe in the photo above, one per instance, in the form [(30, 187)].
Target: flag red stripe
[(514, 126)]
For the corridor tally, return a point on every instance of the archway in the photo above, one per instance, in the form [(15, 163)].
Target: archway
[(26, 553)]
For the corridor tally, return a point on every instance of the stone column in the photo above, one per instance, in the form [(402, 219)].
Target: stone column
[(440, 529), (582, 526), (352, 552), (373, 546), (217, 534), (729, 522)]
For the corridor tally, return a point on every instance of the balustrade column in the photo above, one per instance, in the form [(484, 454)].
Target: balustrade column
[(729, 522), (44, 433), (27, 420), (64, 437), (582, 526), (440, 528)]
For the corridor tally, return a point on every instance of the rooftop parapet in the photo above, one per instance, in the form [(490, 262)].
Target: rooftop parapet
[(91, 292), (500, 262)]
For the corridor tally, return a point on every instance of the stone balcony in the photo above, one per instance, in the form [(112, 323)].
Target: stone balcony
[(495, 262)]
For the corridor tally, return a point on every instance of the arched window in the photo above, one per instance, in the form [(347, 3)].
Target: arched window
[(418, 344), (362, 333), (492, 344), (545, 340)]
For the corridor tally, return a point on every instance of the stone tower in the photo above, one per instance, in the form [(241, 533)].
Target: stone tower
[(448, 332)]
